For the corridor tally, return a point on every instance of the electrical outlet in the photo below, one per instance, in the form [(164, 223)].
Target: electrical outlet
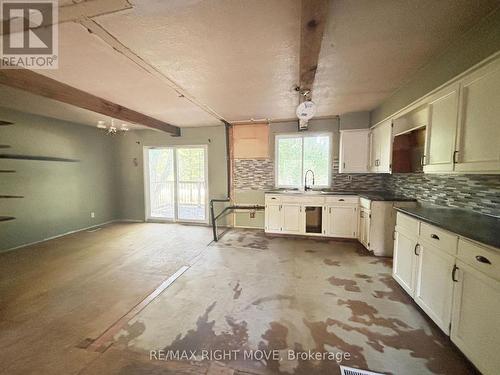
[(92, 214)]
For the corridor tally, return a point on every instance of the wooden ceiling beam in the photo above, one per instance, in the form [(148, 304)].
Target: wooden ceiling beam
[(34, 83), (313, 20)]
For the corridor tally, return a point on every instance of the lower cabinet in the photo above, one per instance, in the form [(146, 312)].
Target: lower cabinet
[(274, 217), (404, 261), (342, 221), (475, 327), (433, 284), (364, 227), (456, 282), (292, 218)]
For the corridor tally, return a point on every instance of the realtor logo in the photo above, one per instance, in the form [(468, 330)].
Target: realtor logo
[(29, 34)]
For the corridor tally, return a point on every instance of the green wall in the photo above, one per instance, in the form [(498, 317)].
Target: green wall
[(476, 45), (131, 204), (59, 197)]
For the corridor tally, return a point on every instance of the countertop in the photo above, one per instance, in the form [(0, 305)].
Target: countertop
[(478, 227), (371, 195)]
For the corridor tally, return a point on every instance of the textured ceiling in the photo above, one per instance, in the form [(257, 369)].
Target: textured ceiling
[(240, 58), (371, 48)]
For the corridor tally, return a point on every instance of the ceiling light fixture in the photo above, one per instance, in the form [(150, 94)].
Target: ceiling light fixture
[(111, 129)]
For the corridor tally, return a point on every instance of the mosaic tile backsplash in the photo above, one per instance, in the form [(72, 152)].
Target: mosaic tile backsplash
[(479, 193)]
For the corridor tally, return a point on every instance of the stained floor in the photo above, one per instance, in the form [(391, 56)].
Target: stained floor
[(246, 294)]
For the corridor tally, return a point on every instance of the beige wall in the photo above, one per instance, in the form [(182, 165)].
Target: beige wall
[(58, 196), (131, 204), (476, 45)]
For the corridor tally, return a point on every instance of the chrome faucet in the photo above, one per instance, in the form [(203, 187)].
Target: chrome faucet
[(306, 187)]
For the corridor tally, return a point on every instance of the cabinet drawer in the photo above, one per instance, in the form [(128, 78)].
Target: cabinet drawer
[(302, 199), (406, 222), (480, 258), (342, 199), (444, 240), (365, 203), (272, 198)]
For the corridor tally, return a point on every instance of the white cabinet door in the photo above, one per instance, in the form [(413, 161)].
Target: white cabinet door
[(293, 221), (273, 218), (403, 270), (385, 144), (434, 286), (364, 227), (381, 148), (441, 130), (475, 327), (342, 221), (479, 132), (354, 149)]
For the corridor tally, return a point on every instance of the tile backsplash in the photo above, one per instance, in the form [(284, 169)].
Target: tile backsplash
[(479, 193)]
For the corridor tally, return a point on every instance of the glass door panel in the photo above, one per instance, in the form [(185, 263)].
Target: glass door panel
[(191, 184), (161, 183)]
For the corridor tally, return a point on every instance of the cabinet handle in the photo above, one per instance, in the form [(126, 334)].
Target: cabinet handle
[(273, 198), (455, 268), (455, 159), (482, 259), (341, 200), (343, 164), (330, 210), (435, 236), (415, 249)]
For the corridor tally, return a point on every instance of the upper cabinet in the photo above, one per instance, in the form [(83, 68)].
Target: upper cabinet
[(381, 147), (441, 130), (462, 127), (354, 151), (478, 144)]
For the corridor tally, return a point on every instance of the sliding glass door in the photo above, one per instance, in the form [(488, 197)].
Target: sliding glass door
[(176, 183)]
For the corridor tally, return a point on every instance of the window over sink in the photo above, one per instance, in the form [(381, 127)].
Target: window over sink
[(295, 154)]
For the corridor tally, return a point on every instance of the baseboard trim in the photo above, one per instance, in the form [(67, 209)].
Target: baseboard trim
[(57, 236)]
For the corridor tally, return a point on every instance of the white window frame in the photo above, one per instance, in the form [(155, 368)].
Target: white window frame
[(147, 201), (302, 135)]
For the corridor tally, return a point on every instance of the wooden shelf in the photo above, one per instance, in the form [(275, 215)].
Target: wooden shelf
[(6, 218), (5, 123), (7, 171), (10, 196), (32, 157)]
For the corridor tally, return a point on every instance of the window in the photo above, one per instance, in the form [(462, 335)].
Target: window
[(297, 153)]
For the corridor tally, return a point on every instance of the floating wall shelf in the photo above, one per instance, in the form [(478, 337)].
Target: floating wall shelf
[(6, 218), (31, 157), (7, 171), (11, 196), (5, 123)]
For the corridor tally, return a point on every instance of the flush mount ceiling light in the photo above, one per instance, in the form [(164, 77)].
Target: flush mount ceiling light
[(111, 129), (306, 110)]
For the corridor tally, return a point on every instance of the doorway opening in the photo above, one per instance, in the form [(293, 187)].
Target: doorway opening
[(176, 184)]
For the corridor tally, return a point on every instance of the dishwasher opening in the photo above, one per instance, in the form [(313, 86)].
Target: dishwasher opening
[(314, 219)]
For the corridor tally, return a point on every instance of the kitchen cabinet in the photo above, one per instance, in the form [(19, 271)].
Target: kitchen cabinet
[(292, 218), (456, 282), (354, 147), (433, 284), (274, 217), (441, 130), (381, 148), (283, 218), (364, 227), (404, 261), (342, 221), (478, 143), (475, 327)]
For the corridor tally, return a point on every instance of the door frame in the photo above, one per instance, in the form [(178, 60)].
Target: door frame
[(147, 207)]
